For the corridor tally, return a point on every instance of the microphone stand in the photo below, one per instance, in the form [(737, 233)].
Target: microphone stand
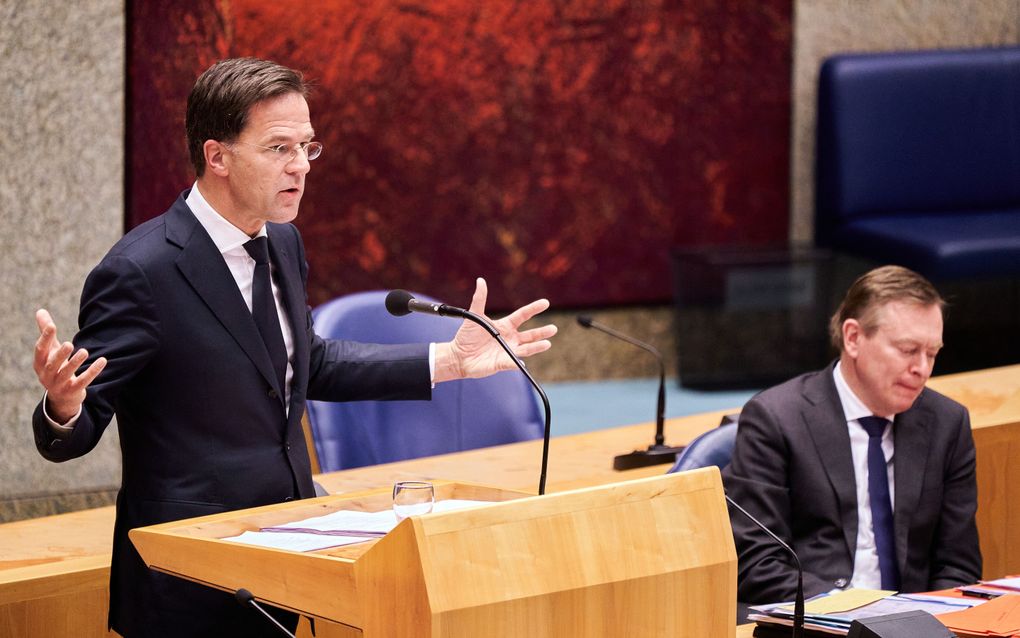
[(246, 598), (401, 302), (488, 327), (798, 603), (657, 452)]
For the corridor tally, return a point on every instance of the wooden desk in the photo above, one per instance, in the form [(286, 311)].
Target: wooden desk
[(993, 398), (54, 570), (55, 575), (577, 460)]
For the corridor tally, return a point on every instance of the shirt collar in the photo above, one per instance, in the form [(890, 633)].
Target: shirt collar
[(225, 235), (853, 407)]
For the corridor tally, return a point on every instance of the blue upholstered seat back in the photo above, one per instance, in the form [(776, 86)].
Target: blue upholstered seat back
[(462, 415), (915, 136), (714, 447), (920, 131)]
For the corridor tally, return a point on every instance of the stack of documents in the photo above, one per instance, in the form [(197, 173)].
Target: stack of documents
[(997, 618), (831, 614), (343, 527), (992, 588)]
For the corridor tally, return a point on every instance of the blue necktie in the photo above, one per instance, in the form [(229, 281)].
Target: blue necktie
[(881, 504), (263, 309)]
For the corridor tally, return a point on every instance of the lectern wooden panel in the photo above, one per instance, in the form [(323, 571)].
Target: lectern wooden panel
[(651, 557), (319, 584)]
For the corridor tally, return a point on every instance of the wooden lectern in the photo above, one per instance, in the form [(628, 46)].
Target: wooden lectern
[(650, 557)]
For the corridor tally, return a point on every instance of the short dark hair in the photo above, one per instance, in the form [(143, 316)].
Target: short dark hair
[(223, 95), (874, 289)]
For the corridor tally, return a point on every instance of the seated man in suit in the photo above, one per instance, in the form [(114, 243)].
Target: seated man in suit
[(867, 474), (194, 331)]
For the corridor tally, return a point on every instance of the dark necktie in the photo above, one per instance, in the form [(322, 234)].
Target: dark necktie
[(263, 309), (881, 504)]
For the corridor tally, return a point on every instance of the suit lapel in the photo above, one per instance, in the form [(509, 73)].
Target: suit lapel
[(910, 458), (203, 266), (826, 423)]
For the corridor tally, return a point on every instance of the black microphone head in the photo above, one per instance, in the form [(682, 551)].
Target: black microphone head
[(243, 596), (584, 320), (396, 302)]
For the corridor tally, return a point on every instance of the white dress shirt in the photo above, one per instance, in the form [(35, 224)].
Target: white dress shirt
[(866, 573), (230, 241)]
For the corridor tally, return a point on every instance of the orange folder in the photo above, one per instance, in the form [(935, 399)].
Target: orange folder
[(997, 617)]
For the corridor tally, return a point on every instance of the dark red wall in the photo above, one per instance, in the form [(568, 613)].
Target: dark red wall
[(559, 148)]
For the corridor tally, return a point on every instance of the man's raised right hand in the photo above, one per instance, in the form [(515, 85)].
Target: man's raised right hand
[(55, 365)]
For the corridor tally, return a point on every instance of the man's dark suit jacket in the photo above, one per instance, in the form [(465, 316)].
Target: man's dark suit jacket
[(203, 426), (792, 469)]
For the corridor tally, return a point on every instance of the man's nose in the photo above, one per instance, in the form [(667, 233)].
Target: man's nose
[(299, 164), (923, 364)]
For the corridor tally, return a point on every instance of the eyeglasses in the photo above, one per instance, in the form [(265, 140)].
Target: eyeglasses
[(287, 152)]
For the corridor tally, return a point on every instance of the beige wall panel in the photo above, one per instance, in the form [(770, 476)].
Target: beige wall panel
[(61, 206)]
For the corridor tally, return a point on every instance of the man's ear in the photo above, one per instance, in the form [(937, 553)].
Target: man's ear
[(852, 333), (217, 158)]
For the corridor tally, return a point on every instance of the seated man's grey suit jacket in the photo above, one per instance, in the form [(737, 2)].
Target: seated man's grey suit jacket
[(793, 470)]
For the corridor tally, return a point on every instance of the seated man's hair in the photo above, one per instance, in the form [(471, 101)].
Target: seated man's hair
[(874, 289)]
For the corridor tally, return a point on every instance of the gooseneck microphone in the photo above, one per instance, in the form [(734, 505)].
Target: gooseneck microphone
[(798, 603), (657, 452), (246, 598), (401, 302)]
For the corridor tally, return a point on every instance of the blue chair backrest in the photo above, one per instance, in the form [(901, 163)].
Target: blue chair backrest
[(714, 447), (462, 415), (917, 132)]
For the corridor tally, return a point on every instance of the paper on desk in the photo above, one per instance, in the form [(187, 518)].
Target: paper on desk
[(839, 619), (853, 604), (347, 521), (1012, 582), (903, 603), (351, 522), (836, 629), (295, 542), (844, 601), (997, 617), (945, 599), (343, 527)]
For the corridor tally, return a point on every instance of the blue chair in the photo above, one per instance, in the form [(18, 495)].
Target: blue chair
[(917, 160), (714, 447), (462, 415)]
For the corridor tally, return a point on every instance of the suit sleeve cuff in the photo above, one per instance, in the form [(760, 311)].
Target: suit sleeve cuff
[(61, 431)]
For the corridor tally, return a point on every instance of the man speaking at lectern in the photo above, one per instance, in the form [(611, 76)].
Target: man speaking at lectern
[(195, 332), (867, 474)]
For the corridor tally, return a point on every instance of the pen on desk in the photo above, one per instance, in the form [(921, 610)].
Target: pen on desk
[(978, 594)]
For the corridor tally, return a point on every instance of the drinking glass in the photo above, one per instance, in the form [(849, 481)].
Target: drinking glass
[(412, 498)]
